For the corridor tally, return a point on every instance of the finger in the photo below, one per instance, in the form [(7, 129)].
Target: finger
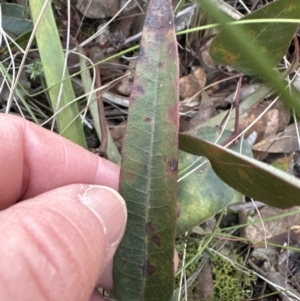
[(96, 296), (57, 244), (35, 160)]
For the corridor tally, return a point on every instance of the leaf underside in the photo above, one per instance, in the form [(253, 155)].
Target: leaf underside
[(143, 264), (249, 176)]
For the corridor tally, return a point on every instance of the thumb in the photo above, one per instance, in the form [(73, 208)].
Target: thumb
[(55, 246)]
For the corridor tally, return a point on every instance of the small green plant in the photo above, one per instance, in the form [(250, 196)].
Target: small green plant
[(35, 69), (230, 282)]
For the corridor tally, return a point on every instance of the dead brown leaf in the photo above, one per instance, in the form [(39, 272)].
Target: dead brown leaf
[(98, 8), (191, 84), (276, 118), (283, 142)]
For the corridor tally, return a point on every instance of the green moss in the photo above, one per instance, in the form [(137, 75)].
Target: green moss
[(230, 282)]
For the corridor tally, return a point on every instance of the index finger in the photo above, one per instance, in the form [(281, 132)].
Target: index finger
[(34, 160)]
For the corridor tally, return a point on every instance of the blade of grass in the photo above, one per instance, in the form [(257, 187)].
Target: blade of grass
[(53, 61), (19, 95)]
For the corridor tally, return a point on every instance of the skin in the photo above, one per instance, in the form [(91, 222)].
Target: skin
[(61, 219), (58, 233)]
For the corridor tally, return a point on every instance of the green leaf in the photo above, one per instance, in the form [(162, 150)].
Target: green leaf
[(270, 39), (14, 20), (143, 265), (52, 57), (201, 193), (262, 64), (249, 176), (21, 41)]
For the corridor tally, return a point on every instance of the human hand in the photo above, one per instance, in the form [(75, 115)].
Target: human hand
[(57, 237)]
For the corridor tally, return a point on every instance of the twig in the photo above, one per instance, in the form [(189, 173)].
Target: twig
[(237, 97), (102, 119), (101, 113)]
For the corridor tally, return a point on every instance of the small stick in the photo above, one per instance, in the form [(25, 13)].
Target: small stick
[(101, 113), (237, 114)]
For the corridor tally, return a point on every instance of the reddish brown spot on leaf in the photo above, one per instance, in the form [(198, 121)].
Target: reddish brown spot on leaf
[(172, 51), (136, 92), (173, 165), (148, 120), (129, 176), (156, 240), (148, 269), (142, 53), (173, 113), (139, 89), (178, 210), (161, 65), (149, 228), (229, 58), (160, 18), (252, 33)]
